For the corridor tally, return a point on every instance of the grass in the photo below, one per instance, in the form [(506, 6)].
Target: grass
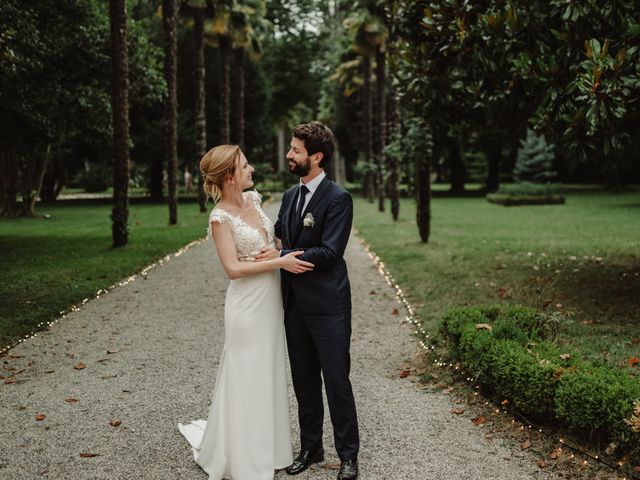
[(581, 259), (49, 264)]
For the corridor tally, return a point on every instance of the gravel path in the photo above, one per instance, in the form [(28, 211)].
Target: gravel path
[(165, 333)]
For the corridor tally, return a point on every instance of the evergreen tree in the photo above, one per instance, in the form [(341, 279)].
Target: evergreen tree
[(535, 160)]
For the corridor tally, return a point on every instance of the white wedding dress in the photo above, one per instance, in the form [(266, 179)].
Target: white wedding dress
[(247, 435)]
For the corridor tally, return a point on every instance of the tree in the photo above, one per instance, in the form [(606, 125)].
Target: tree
[(199, 104), (535, 160), (120, 107), (169, 13)]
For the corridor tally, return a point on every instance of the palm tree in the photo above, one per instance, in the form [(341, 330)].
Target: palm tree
[(120, 107), (199, 107), (169, 13), (369, 36)]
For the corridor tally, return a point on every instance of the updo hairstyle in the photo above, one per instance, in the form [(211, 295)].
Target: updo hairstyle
[(216, 164)]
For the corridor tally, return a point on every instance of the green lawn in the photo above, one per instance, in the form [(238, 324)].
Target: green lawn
[(581, 259), (49, 264)]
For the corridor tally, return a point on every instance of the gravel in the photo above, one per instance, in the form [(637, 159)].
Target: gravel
[(165, 333)]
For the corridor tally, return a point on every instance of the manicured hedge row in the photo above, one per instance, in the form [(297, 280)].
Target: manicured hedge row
[(515, 200), (508, 348)]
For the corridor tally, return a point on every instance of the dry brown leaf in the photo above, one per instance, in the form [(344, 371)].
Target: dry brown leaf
[(633, 361), (504, 293), (115, 423), (108, 375), (10, 380), (372, 292), (79, 366), (395, 311), (71, 400), (404, 373), (331, 466), (504, 402), (88, 455), (483, 326), (565, 356), (636, 469), (49, 371), (113, 351), (40, 416), (526, 444), (479, 420), (15, 356), (555, 454), (635, 341), (542, 463), (457, 411), (447, 390)]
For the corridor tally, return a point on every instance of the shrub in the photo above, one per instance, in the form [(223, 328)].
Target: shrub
[(509, 350), (535, 160), (597, 398)]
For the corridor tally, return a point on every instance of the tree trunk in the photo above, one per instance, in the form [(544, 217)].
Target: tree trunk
[(493, 152), (423, 198), (9, 184), (369, 178), (156, 183), (239, 97), (31, 180), (200, 117), (393, 117), (456, 165), (120, 107), (225, 52), (171, 106), (53, 181), (381, 113)]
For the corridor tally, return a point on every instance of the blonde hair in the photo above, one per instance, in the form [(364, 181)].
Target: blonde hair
[(216, 164)]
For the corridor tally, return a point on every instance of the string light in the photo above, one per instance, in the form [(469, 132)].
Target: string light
[(103, 291)]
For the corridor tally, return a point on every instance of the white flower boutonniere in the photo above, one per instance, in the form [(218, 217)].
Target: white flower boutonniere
[(308, 221)]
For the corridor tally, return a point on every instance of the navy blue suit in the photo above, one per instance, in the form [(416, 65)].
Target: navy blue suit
[(318, 314)]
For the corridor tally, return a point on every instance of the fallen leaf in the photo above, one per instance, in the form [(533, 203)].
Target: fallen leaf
[(457, 411), (404, 373), (555, 454), (542, 463), (71, 400), (18, 371), (504, 402), (447, 390), (565, 356), (636, 469), (395, 311), (526, 444), (102, 360), (115, 423), (89, 455), (331, 466), (633, 361), (40, 416), (112, 351), (49, 371), (10, 380), (590, 322), (504, 293), (372, 292), (483, 326), (15, 356), (79, 366), (479, 420), (108, 375)]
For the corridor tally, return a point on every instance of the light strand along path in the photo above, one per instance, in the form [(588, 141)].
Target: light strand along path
[(166, 332)]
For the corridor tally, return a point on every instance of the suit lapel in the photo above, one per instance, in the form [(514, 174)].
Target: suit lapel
[(290, 213), (315, 199)]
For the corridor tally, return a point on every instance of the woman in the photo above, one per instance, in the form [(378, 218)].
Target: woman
[(246, 436)]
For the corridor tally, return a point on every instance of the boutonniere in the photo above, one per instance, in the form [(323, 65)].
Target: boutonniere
[(309, 221)]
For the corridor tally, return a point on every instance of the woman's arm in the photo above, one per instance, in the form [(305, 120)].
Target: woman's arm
[(236, 269)]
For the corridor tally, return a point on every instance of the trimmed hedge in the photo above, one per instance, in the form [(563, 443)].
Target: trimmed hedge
[(516, 200), (511, 351)]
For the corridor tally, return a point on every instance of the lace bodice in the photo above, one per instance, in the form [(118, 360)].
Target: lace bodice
[(248, 239)]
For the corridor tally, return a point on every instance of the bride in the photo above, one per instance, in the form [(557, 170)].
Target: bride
[(247, 435)]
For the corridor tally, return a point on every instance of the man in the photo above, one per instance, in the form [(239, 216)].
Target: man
[(315, 216)]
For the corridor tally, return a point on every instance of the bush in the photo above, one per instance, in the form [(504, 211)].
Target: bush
[(597, 398), (510, 350)]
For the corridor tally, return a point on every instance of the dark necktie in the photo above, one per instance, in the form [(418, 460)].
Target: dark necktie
[(303, 194)]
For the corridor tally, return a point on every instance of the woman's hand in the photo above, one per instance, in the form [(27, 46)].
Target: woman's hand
[(292, 264), (267, 254)]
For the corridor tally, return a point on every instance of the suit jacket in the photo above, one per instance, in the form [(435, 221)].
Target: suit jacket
[(326, 289)]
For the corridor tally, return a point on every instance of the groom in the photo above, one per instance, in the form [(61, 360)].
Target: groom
[(315, 216)]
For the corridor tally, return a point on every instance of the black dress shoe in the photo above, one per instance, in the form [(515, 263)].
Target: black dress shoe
[(304, 459), (348, 470)]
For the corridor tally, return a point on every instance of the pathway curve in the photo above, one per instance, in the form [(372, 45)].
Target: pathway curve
[(166, 335)]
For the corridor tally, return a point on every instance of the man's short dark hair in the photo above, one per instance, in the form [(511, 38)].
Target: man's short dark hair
[(317, 138)]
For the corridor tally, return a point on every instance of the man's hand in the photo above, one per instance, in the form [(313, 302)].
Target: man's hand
[(267, 254)]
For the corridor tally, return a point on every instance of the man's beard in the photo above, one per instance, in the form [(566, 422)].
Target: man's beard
[(301, 169)]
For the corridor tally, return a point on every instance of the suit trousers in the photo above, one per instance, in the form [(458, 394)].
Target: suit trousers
[(319, 344)]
